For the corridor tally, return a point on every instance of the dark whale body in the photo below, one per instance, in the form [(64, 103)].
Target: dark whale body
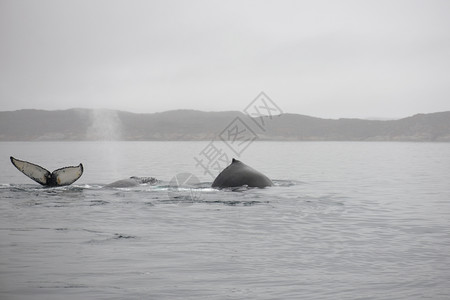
[(239, 174)]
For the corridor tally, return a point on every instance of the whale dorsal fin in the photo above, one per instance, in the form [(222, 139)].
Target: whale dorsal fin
[(67, 175), (35, 172)]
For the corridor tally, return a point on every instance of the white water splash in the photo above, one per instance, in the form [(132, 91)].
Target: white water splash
[(105, 126)]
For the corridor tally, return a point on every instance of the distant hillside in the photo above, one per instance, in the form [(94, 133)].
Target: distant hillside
[(421, 127), (85, 124)]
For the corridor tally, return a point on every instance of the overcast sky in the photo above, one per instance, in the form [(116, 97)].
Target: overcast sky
[(331, 59)]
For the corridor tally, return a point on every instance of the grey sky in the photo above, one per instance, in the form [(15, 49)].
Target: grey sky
[(333, 59)]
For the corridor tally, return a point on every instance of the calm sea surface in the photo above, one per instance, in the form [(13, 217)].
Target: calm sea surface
[(343, 221)]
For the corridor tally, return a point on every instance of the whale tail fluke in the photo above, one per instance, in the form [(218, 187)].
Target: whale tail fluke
[(67, 175), (59, 177)]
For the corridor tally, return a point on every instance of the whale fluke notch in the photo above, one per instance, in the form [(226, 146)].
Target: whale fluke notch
[(60, 177)]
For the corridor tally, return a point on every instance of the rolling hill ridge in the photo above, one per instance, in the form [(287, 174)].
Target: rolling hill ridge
[(86, 124)]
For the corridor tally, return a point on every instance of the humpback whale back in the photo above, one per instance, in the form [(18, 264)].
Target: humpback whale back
[(59, 177), (239, 174), (131, 182)]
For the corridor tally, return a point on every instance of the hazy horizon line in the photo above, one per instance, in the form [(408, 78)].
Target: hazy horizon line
[(372, 118)]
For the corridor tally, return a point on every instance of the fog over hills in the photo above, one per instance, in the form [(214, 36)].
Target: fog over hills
[(86, 124)]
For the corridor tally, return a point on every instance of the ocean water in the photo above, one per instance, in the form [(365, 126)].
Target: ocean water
[(343, 221)]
